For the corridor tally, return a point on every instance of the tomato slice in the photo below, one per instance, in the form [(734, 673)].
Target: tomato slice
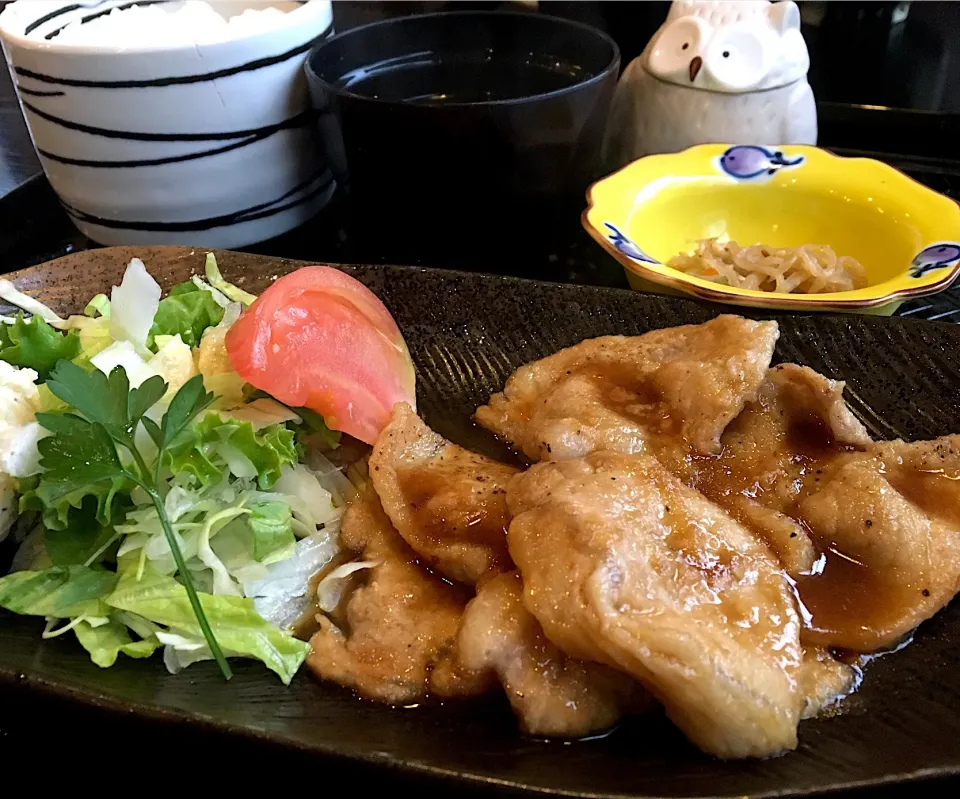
[(318, 338)]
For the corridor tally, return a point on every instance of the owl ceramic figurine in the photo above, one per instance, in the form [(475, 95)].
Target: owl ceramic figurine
[(717, 71)]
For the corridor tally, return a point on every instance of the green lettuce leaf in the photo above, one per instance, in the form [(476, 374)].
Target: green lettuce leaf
[(187, 310), (60, 503), (195, 458), (269, 450), (33, 343), (271, 524), (315, 427), (215, 445), (106, 641), (237, 626), (61, 591)]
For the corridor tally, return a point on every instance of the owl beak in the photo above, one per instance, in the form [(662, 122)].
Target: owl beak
[(695, 65)]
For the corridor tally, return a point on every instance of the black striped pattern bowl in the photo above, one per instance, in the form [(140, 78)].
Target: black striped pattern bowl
[(212, 145)]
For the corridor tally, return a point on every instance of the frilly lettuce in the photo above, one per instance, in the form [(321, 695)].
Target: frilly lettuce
[(33, 343), (187, 311), (215, 445)]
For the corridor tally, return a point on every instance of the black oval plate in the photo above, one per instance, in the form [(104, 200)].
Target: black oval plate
[(467, 333)]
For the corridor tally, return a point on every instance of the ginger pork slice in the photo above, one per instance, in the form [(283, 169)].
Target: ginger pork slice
[(625, 565), (399, 641), (774, 453), (448, 503), (887, 525), (625, 393), (551, 694)]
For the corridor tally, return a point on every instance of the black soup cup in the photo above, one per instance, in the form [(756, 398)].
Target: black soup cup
[(463, 139)]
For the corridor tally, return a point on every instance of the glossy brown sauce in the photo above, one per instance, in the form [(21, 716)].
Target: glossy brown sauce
[(843, 594), (853, 602), (712, 564), (796, 459), (848, 601), (452, 501), (633, 396), (809, 437), (717, 476), (623, 375)]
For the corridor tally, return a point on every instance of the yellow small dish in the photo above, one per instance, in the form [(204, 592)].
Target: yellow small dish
[(906, 236)]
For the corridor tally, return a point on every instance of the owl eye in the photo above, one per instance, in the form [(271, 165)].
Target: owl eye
[(670, 52), (738, 57)]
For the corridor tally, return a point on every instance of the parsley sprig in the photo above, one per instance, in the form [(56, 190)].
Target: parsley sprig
[(83, 450)]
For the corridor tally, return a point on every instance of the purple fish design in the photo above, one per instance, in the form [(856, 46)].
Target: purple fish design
[(627, 247), (747, 161), (936, 256)]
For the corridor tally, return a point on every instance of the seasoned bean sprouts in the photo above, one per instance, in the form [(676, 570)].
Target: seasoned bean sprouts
[(807, 269)]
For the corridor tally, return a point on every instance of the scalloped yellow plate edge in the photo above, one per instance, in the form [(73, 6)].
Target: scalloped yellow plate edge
[(616, 201)]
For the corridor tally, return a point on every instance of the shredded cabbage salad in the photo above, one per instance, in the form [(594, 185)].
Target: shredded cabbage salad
[(158, 501)]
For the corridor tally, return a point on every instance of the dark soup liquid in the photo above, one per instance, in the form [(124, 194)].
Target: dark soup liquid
[(424, 79)]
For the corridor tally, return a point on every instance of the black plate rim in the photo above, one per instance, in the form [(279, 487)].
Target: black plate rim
[(157, 714)]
